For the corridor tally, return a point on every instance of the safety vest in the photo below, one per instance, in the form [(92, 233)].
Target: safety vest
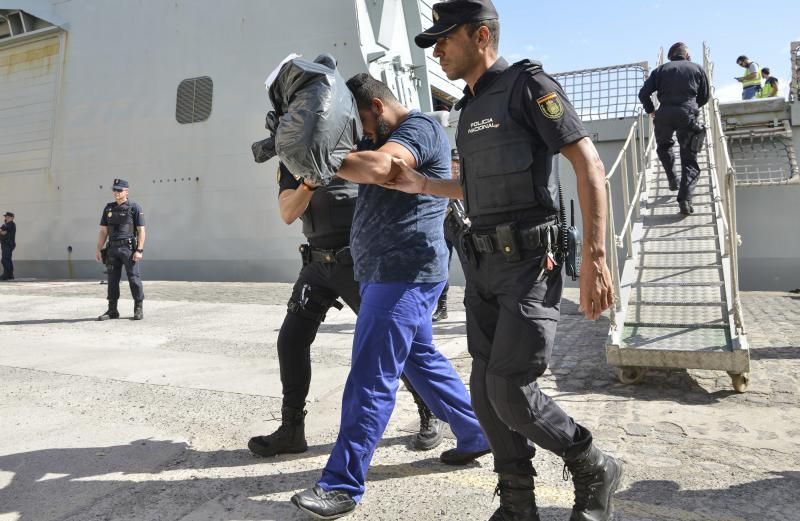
[(501, 171), (756, 82), (330, 212), (767, 91)]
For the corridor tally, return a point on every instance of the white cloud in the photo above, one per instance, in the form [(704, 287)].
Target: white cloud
[(729, 92)]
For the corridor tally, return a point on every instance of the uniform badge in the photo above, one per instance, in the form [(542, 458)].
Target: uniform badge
[(109, 214), (551, 106)]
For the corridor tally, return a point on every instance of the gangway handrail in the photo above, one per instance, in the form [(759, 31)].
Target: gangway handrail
[(727, 188), (636, 153)]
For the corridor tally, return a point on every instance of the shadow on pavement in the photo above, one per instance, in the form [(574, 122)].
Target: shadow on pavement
[(149, 479), (772, 499), (47, 321)]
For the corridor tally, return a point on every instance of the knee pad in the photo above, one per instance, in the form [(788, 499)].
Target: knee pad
[(312, 303)]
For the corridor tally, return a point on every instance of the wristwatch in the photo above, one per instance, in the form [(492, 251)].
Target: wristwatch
[(140, 251)]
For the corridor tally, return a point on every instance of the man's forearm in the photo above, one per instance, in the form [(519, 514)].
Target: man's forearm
[(101, 239), (590, 174), (372, 168), (293, 203), (140, 235), (449, 188)]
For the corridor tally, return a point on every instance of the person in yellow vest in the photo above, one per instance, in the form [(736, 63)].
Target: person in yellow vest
[(770, 88), (751, 81)]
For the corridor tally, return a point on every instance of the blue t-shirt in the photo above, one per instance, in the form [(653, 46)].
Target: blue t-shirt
[(398, 237)]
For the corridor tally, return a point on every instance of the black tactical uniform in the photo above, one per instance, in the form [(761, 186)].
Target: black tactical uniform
[(122, 221), (326, 275), (508, 133), (682, 88)]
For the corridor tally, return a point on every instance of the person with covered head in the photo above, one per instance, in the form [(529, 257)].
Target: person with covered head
[(682, 88), (326, 275), (514, 119), (399, 253)]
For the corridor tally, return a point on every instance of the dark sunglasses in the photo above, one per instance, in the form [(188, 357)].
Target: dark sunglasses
[(116, 189)]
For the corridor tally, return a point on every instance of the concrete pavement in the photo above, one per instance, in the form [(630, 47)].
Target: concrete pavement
[(149, 420)]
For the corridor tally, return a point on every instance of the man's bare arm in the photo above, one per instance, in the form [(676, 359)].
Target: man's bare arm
[(367, 168), (101, 241), (410, 181), (293, 203), (596, 292)]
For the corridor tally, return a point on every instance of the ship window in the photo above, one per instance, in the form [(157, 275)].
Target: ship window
[(194, 100)]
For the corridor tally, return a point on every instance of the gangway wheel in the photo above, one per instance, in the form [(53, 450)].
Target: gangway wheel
[(740, 381), (630, 375)]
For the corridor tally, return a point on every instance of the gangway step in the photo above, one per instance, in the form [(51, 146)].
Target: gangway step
[(659, 315), (678, 260), (678, 347), (680, 295), (679, 221)]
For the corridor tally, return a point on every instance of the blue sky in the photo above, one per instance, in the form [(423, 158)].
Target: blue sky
[(582, 34)]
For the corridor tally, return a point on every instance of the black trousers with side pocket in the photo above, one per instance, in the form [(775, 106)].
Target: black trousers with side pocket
[(511, 328)]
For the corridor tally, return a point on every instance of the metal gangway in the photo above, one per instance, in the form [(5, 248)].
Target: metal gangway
[(675, 277)]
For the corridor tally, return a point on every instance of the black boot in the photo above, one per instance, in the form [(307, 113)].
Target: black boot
[(686, 207), (323, 504), (111, 312), (441, 309), (290, 438), (138, 313), (517, 500), (596, 477), (431, 428)]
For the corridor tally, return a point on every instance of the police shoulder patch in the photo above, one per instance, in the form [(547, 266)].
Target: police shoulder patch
[(551, 106)]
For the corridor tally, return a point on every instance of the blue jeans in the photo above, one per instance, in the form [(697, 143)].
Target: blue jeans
[(394, 335), (750, 92)]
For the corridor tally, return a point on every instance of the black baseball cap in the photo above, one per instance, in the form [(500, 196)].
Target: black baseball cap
[(447, 16), (119, 184), (8, 214)]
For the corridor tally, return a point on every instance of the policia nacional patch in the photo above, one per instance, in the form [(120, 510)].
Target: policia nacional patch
[(551, 106)]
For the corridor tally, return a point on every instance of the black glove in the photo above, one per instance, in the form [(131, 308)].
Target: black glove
[(264, 150)]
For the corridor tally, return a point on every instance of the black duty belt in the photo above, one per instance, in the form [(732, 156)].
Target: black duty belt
[(336, 256), (530, 238), (121, 242)]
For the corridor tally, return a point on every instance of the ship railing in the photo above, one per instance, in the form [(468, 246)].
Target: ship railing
[(631, 163), (725, 181)]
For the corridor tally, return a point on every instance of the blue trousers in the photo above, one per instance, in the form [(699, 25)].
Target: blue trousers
[(394, 335), (750, 92)]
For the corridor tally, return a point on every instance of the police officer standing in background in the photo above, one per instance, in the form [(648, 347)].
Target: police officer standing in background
[(682, 88), (327, 274), (8, 238), (122, 223), (513, 120)]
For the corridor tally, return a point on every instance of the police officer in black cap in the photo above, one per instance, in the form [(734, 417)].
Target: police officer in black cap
[(682, 88), (514, 118), (122, 223), (327, 274)]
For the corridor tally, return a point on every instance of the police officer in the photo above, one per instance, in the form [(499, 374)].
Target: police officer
[(682, 88), (8, 241), (327, 274), (122, 223), (513, 120)]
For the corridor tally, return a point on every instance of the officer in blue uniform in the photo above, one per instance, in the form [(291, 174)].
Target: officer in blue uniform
[(8, 241), (682, 88), (122, 223), (399, 252), (513, 119), (326, 275)]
